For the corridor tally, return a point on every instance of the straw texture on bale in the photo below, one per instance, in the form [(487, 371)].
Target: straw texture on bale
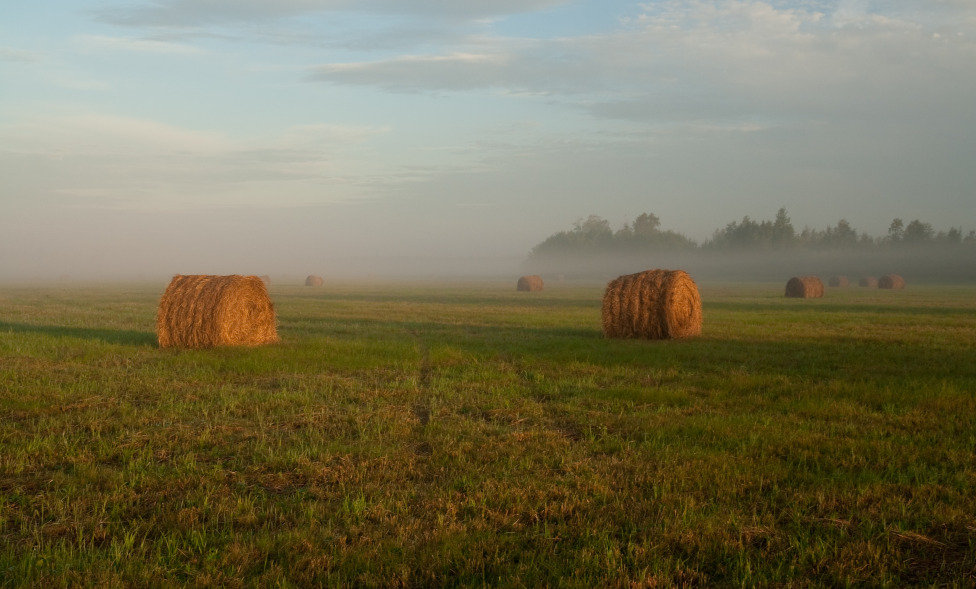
[(869, 281), (840, 281), (891, 281), (805, 287), (530, 283), (313, 280), (203, 311), (654, 304)]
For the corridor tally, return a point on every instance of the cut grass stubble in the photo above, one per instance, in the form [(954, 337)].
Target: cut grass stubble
[(456, 435)]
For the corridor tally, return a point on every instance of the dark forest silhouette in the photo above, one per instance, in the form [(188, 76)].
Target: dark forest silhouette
[(750, 249)]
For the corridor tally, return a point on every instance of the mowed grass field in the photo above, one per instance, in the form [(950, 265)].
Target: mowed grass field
[(468, 435)]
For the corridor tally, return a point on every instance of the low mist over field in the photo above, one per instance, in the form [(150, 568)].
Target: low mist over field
[(289, 245), (143, 139), (921, 265)]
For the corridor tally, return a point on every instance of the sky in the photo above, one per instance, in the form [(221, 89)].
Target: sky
[(362, 137)]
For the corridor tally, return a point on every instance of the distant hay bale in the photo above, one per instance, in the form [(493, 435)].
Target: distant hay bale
[(314, 280), (869, 281), (891, 281), (266, 279), (839, 281), (654, 304), (804, 287), (530, 283), (203, 311)]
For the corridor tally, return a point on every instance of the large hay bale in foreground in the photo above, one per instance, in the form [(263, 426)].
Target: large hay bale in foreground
[(203, 311), (654, 304), (805, 287), (839, 281), (869, 281), (892, 281), (314, 280), (530, 283)]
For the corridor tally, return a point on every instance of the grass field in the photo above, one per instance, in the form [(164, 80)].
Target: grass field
[(465, 434)]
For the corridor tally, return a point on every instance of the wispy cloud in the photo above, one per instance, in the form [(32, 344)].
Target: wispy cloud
[(710, 60), (698, 110), (190, 13), (125, 162), (108, 135), (130, 44), (11, 55), (458, 71)]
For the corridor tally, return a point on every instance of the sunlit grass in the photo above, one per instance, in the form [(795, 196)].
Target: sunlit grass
[(466, 434)]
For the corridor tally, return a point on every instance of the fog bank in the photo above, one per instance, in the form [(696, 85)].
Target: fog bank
[(917, 265)]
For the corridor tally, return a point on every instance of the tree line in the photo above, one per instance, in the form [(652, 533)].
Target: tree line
[(594, 235)]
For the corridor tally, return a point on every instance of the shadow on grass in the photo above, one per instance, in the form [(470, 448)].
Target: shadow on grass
[(830, 358), (516, 300), (831, 307), (111, 336), (365, 328)]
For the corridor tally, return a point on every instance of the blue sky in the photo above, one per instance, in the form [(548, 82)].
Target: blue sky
[(337, 136)]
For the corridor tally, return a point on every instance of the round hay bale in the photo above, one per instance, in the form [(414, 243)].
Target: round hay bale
[(314, 280), (869, 281), (891, 281), (804, 287), (203, 311), (839, 281), (530, 283), (654, 304)]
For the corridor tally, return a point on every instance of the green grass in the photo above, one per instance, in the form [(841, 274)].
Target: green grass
[(450, 435)]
